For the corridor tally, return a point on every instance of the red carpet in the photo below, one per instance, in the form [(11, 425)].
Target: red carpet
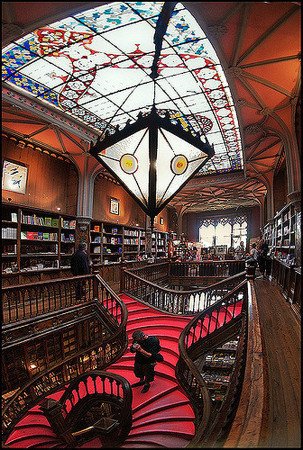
[(162, 417)]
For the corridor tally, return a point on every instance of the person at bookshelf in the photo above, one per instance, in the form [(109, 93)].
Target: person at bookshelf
[(263, 261), (146, 349), (80, 265), (240, 251), (252, 259)]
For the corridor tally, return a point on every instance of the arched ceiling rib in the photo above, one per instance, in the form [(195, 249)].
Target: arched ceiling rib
[(261, 46)]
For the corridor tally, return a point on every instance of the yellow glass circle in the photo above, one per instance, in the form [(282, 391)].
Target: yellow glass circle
[(129, 163), (179, 164)]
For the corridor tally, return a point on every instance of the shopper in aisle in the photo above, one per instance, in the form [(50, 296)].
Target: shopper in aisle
[(240, 251), (263, 262), (80, 265), (146, 349)]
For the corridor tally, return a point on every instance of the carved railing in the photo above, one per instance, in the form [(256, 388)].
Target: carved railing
[(101, 345), (289, 279), (35, 299), (71, 417), (203, 332), (224, 268), (176, 301), (97, 357)]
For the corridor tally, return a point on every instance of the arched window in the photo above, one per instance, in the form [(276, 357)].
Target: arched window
[(239, 234)]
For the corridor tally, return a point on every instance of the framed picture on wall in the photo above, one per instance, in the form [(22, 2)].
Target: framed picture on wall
[(161, 221), (114, 206), (14, 176)]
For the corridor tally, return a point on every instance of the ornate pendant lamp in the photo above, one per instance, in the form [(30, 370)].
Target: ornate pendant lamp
[(154, 157)]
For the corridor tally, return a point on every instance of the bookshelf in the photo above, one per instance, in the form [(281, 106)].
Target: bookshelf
[(161, 244), (131, 243), (280, 234), (35, 241), (67, 240), (112, 243), (95, 246), (217, 368)]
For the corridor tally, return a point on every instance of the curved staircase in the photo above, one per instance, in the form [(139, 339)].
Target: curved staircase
[(162, 417)]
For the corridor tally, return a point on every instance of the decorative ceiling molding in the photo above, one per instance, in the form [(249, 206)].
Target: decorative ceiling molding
[(38, 107)]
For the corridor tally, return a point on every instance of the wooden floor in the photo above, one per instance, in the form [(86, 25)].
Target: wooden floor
[(282, 348)]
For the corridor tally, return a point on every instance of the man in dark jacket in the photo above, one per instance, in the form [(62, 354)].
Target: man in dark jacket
[(80, 266), (146, 349)]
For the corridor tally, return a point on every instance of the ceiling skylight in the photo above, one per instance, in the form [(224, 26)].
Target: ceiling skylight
[(96, 66)]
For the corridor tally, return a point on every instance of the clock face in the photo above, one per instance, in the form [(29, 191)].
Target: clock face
[(14, 177)]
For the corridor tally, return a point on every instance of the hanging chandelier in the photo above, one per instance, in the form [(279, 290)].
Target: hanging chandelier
[(154, 157)]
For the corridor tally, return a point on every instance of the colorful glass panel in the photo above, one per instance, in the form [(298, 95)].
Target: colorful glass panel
[(96, 66)]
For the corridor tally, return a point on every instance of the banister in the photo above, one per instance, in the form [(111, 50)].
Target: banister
[(187, 372), (246, 427), (174, 301)]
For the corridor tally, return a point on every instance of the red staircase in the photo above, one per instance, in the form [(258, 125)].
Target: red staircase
[(162, 417)]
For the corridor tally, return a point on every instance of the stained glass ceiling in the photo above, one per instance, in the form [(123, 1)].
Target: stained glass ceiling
[(96, 67)]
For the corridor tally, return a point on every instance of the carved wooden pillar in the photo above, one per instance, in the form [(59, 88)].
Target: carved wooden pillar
[(83, 231), (53, 412)]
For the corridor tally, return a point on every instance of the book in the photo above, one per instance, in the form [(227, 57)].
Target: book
[(14, 217), (45, 236), (55, 222), (72, 223), (48, 221)]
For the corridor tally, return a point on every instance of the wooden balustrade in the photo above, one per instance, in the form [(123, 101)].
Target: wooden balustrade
[(225, 268), (44, 352), (289, 280), (71, 419), (35, 299), (199, 336), (175, 301)]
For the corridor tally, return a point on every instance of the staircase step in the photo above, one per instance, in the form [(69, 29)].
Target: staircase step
[(164, 413), (28, 441), (175, 398), (171, 440), (163, 419), (141, 444), (33, 419)]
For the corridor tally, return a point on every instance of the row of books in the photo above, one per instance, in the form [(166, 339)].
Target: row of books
[(131, 241), (112, 240), (9, 249), (39, 236), (70, 224), (33, 219), (67, 238), (9, 233), (132, 233)]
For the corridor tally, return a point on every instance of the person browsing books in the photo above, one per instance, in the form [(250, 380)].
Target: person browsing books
[(80, 265)]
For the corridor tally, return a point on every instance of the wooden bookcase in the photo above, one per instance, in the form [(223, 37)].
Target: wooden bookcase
[(35, 243), (280, 234), (161, 244), (111, 243), (216, 369)]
